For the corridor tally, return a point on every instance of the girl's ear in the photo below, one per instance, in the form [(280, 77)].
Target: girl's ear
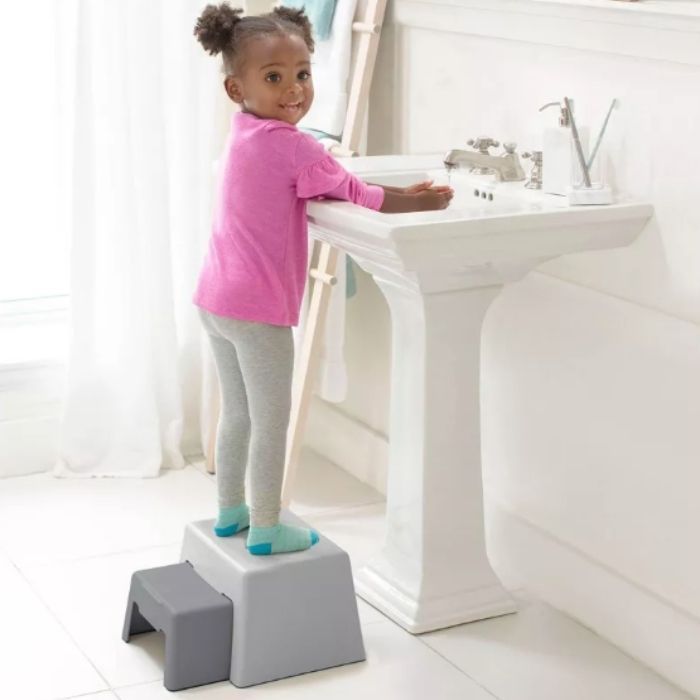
[(233, 89)]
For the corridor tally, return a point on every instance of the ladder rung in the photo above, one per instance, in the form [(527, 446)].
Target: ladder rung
[(365, 27), (323, 276), (340, 150)]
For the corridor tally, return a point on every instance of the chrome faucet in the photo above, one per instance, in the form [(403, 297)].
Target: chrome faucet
[(506, 166)]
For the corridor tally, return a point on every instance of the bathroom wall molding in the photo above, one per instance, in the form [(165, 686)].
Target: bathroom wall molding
[(661, 32), (644, 625), (349, 443), (30, 416)]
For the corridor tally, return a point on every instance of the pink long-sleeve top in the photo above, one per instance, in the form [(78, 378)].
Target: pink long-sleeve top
[(256, 264)]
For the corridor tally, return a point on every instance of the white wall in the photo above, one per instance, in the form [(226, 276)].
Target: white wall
[(591, 364)]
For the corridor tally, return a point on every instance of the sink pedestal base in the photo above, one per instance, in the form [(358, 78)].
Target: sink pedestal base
[(421, 615), (433, 571)]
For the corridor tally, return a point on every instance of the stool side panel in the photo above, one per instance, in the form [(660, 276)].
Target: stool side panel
[(304, 622), (198, 650)]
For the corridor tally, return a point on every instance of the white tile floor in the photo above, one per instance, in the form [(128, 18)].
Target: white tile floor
[(68, 548)]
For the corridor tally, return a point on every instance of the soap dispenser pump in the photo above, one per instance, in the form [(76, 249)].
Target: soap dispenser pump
[(557, 151)]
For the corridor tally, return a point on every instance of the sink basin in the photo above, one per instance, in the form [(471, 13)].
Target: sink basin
[(508, 224), (474, 196), (440, 271)]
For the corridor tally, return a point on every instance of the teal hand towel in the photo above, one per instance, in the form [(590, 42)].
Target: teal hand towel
[(350, 283), (319, 12)]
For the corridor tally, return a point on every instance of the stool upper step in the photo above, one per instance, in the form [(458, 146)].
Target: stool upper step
[(180, 588)]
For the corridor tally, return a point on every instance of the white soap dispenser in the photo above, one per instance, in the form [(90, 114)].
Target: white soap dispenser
[(557, 151)]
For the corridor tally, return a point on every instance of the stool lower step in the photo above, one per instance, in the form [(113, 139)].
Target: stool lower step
[(195, 619)]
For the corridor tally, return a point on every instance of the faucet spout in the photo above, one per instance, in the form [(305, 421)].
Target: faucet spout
[(506, 166)]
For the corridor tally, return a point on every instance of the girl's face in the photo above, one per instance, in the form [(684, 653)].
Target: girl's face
[(274, 81)]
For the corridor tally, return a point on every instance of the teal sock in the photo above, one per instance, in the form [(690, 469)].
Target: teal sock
[(232, 519), (280, 538)]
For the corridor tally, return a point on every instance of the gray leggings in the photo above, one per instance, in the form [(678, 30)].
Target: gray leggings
[(254, 362)]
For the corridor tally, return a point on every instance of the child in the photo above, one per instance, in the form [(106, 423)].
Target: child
[(250, 288)]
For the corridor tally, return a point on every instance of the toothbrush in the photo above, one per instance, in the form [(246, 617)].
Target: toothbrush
[(577, 142), (600, 135)]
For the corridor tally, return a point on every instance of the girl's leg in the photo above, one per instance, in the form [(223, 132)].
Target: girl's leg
[(267, 357), (233, 430)]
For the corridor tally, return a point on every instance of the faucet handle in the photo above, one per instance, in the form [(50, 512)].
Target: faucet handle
[(535, 181), (483, 143), (510, 147), (535, 155)]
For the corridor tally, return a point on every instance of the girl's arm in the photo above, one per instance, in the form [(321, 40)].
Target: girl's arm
[(386, 188), (419, 197), (326, 177)]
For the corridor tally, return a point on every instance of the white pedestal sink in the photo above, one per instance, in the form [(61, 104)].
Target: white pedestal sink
[(439, 271)]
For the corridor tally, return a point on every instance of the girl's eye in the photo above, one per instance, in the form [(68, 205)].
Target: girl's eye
[(276, 76)]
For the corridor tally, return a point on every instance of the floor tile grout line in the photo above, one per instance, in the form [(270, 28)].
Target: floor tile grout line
[(203, 472), (331, 510), (381, 499), (77, 560), (116, 688), (68, 634), (337, 510), (367, 623), (74, 560), (88, 695), (454, 665), (419, 638)]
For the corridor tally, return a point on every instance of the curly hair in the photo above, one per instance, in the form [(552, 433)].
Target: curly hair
[(221, 29)]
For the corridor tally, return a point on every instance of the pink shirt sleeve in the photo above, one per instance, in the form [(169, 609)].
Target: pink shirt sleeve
[(318, 173)]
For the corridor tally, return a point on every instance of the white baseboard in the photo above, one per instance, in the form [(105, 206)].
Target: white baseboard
[(29, 445), (652, 630), (351, 444), (31, 412)]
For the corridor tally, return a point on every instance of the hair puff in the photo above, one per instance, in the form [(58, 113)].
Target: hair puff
[(298, 18), (215, 26)]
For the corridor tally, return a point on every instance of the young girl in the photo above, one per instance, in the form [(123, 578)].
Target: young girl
[(251, 284)]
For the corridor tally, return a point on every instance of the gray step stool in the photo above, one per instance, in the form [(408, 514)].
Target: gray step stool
[(195, 618), (294, 612)]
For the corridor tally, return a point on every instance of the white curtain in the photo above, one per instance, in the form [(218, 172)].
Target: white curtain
[(148, 116)]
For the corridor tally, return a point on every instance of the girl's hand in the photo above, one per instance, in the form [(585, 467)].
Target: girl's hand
[(425, 185), (431, 198), (418, 197)]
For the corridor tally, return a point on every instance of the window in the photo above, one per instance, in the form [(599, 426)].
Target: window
[(34, 244)]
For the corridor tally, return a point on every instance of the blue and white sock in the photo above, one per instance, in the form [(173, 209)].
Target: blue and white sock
[(280, 538), (232, 519)]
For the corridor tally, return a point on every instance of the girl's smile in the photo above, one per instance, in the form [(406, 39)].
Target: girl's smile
[(274, 80)]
